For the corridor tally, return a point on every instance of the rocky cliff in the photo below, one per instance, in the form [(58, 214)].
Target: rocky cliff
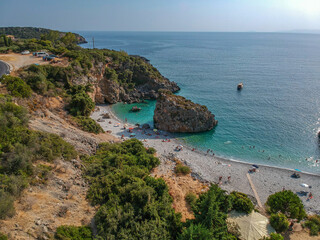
[(177, 114), (131, 80)]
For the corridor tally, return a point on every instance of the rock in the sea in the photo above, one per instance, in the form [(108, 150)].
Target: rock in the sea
[(177, 114)]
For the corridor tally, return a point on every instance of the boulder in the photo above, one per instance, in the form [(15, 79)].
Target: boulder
[(177, 114), (146, 126)]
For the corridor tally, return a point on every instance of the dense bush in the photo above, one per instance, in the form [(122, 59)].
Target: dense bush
[(88, 124), (279, 222), (182, 169), (288, 203), (132, 203), (47, 79), (313, 223), (211, 211), (196, 232), (241, 202), (16, 86), (73, 233), (81, 104)]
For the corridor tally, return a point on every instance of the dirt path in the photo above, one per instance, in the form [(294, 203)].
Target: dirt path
[(255, 191)]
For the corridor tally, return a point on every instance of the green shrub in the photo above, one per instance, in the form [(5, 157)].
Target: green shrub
[(73, 233), (241, 202), (81, 104), (6, 205), (288, 203), (274, 236), (3, 237), (279, 222), (211, 211), (132, 202), (16, 86), (196, 232), (313, 223), (88, 124), (51, 147), (13, 184), (191, 199), (182, 169), (19, 148)]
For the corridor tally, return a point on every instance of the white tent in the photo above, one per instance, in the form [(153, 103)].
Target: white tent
[(253, 226)]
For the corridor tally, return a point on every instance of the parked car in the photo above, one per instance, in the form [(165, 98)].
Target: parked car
[(48, 58), (25, 52), (40, 54)]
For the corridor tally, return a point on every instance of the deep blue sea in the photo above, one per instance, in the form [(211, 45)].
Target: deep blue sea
[(277, 112)]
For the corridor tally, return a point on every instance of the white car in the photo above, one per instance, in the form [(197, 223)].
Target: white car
[(25, 52), (42, 54)]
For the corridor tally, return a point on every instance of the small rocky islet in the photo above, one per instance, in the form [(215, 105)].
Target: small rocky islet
[(175, 113)]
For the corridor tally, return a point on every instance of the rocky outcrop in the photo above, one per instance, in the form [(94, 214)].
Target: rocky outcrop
[(109, 91), (177, 114)]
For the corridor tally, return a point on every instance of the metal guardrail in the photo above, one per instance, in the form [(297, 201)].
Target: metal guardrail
[(9, 67)]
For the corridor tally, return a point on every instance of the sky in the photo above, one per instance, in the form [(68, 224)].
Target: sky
[(163, 15)]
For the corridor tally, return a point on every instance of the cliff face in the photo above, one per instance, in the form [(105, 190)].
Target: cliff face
[(109, 89), (177, 114), (111, 92)]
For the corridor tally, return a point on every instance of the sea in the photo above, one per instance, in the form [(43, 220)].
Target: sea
[(273, 120)]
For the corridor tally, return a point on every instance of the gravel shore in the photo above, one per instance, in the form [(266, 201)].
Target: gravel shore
[(267, 180)]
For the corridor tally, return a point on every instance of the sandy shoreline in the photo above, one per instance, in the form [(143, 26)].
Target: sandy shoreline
[(267, 181)]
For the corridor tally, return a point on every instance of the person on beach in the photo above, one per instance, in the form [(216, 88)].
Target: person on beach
[(310, 196), (229, 179), (126, 120), (220, 180)]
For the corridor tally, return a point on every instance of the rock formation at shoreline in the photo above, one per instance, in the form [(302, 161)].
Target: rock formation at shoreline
[(177, 114)]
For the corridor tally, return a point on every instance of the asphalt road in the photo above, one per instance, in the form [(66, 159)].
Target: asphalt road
[(4, 68)]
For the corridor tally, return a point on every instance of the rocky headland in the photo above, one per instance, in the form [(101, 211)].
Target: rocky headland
[(177, 114), (132, 80)]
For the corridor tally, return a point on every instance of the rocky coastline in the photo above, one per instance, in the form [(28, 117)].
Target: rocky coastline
[(177, 114)]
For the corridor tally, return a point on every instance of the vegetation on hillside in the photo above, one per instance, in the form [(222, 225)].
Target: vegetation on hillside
[(73, 233), (131, 204), (16, 86), (20, 147), (313, 223), (34, 32)]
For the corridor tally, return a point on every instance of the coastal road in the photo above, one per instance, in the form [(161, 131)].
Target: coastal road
[(4, 68)]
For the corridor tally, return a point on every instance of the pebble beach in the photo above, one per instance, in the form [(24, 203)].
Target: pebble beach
[(265, 181)]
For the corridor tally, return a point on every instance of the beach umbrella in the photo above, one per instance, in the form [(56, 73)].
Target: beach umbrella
[(155, 130), (131, 128), (256, 166), (298, 170), (252, 226), (304, 185)]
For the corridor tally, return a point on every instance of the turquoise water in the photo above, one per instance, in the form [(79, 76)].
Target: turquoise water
[(278, 111)]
